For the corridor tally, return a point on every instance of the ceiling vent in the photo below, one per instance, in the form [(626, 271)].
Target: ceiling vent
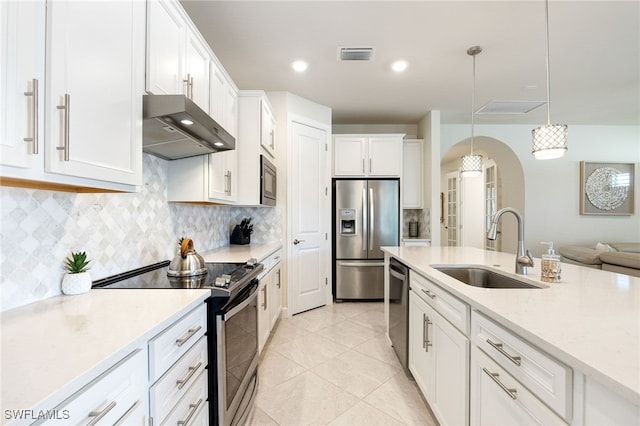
[(355, 53), (509, 107)]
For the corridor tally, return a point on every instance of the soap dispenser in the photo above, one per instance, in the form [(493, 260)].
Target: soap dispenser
[(550, 265)]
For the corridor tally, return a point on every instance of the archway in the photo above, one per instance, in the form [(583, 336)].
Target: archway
[(511, 189)]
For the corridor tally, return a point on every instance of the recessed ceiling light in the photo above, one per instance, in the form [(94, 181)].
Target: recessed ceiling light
[(186, 122), (399, 66), (299, 66)]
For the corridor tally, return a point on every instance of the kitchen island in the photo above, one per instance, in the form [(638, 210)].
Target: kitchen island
[(590, 321)]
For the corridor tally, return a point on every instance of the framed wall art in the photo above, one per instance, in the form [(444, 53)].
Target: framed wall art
[(606, 188)]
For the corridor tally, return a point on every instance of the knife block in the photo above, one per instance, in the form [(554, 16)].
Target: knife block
[(239, 237)]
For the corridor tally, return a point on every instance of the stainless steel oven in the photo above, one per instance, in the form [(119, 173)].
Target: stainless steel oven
[(236, 336), (232, 329), (267, 182)]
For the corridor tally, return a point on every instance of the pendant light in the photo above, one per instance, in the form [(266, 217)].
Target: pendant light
[(472, 163), (549, 141)]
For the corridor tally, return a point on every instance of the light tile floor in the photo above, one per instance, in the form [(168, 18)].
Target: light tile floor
[(334, 366)]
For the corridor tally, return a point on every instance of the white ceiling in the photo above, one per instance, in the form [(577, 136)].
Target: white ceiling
[(595, 56)]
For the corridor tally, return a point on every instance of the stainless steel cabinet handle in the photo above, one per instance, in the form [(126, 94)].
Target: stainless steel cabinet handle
[(426, 326), (424, 331), (264, 305), (189, 83), (192, 331), (66, 106), (428, 293), (227, 179), (370, 165), (499, 347), (363, 165), (278, 278), (495, 378), (194, 409), (190, 373), (98, 415), (297, 241), (34, 115)]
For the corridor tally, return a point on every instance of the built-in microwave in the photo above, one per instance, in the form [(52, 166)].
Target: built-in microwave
[(267, 182)]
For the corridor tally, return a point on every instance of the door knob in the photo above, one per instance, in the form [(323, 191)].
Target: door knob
[(297, 241)]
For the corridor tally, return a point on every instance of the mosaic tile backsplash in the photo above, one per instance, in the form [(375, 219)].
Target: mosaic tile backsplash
[(119, 232), (423, 217)]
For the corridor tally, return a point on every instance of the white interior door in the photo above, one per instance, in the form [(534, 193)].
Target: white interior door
[(309, 214)]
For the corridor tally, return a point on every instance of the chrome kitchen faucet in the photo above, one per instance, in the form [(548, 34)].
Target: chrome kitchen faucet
[(523, 258)]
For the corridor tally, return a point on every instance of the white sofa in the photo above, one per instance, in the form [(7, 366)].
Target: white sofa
[(622, 257)]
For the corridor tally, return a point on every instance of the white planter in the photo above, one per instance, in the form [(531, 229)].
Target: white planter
[(76, 283)]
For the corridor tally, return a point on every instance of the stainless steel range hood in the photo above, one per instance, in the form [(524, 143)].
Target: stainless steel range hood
[(175, 127)]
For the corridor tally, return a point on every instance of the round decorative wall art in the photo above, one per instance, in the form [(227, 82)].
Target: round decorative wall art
[(606, 188)]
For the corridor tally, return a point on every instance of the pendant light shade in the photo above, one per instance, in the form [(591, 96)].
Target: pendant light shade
[(549, 141), (472, 163)]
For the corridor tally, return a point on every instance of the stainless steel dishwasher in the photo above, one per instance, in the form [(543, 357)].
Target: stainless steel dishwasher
[(399, 310)]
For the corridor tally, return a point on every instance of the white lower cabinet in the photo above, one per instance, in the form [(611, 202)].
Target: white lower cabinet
[(498, 399), (177, 370), (116, 396), (439, 362), (269, 297)]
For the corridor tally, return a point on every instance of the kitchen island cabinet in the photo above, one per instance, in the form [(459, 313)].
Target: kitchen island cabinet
[(572, 368), (67, 349), (88, 100)]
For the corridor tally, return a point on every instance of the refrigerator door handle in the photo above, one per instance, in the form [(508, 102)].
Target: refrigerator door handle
[(365, 224), (359, 264), (371, 217)]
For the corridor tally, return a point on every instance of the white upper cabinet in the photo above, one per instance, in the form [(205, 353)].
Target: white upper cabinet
[(22, 29), (90, 94), (198, 64), (256, 127), (224, 100), (178, 60), (367, 155), (166, 34), (412, 176), (267, 129)]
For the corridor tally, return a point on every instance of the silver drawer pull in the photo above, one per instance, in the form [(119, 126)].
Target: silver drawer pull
[(194, 409), (192, 331), (100, 414), (495, 378), (190, 373), (34, 115), (428, 293), (498, 346)]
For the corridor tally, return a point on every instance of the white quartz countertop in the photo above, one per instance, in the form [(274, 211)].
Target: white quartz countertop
[(240, 253), (53, 347), (590, 320)]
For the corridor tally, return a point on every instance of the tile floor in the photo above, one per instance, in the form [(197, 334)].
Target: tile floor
[(333, 366)]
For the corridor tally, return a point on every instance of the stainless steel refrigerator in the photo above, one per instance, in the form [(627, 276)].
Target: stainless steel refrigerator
[(366, 217)]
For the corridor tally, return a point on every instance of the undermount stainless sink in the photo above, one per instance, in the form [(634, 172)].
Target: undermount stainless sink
[(480, 276)]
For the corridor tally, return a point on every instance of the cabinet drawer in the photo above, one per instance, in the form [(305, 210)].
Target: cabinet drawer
[(175, 383), (546, 377), (110, 397), (191, 405), (498, 398), (450, 307), (175, 341)]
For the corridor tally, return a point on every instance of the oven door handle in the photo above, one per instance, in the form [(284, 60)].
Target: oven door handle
[(240, 306)]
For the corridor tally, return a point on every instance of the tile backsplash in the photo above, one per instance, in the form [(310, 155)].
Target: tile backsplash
[(119, 232), (423, 217)]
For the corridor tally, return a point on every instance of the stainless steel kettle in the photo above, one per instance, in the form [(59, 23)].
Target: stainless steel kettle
[(187, 263)]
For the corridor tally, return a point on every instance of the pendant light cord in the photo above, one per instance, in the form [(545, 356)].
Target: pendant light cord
[(473, 100), (548, 73)]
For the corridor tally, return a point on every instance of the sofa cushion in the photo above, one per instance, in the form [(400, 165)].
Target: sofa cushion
[(580, 254), (621, 258), (628, 247)]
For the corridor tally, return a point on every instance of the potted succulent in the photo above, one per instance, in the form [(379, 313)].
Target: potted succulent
[(77, 279)]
